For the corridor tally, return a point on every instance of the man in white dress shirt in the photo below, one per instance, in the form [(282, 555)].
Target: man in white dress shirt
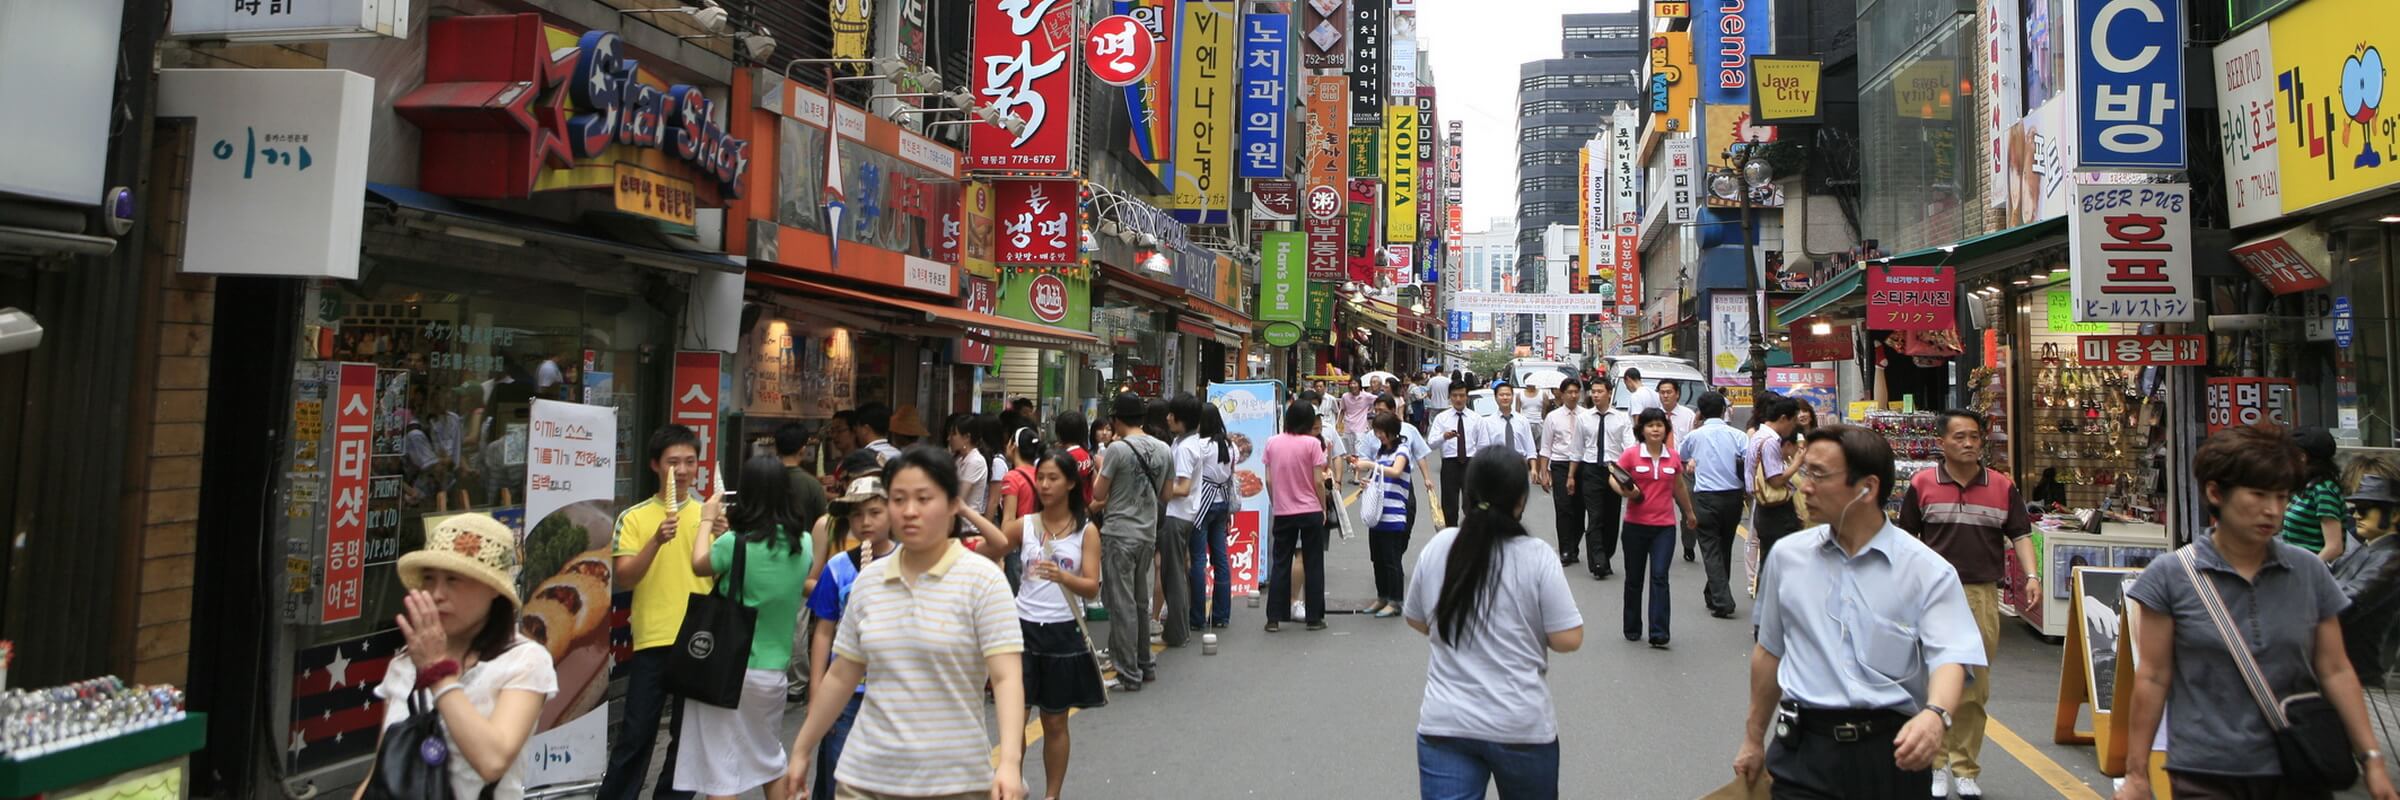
[(1453, 434), (1605, 432), (1559, 458), (1509, 428), (1637, 398)]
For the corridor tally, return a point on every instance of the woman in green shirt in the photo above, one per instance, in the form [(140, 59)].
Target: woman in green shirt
[(2314, 519), (729, 751)]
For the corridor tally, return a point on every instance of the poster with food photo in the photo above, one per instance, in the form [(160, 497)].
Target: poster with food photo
[(567, 583), (1251, 410)]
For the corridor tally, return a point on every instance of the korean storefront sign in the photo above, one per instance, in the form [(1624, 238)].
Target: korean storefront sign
[(1400, 173), (2141, 351), (1729, 324), (1683, 156), (1118, 50), (975, 250), (346, 517), (1202, 190), (278, 169), (696, 404), (1283, 278), (1624, 176), (1047, 297), (1592, 203), (1911, 298), (1366, 152), (2126, 70), (1808, 347), (1366, 61), (1725, 34), (1328, 233), (1274, 200), (1402, 32), (1266, 48), (657, 195), (1320, 306), (290, 20), (2330, 74), (1324, 33), (1673, 82), (2246, 127), (512, 106), (2286, 262), (1150, 101), (2003, 87), (1629, 269), (2248, 401), (1034, 222), (981, 295), (903, 225), (2131, 251), (1025, 55), (1785, 90)]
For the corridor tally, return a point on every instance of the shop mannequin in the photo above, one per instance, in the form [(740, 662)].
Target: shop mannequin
[(2370, 577)]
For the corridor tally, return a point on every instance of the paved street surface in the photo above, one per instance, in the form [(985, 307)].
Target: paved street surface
[(1332, 714)]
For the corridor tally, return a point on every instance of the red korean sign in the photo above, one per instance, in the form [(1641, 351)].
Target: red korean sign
[(983, 296), (1118, 50), (1025, 66), (1808, 347), (2279, 265), (346, 526), (1629, 270), (1034, 221), (1907, 298), (1327, 238), (697, 374), (2248, 401), (2142, 351)]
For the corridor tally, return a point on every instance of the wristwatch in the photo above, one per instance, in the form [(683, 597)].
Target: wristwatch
[(1939, 711), (2365, 756)]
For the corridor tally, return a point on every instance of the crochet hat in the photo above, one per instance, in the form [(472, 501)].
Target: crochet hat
[(475, 546)]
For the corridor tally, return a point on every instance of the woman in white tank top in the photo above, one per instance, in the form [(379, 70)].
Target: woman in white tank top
[(1062, 569)]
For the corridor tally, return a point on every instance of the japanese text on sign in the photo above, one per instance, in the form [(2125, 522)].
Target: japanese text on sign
[(346, 524), (2141, 351), (1265, 45), (2128, 79), (1911, 298), (2131, 250)]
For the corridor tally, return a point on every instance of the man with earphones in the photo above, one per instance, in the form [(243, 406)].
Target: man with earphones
[(1864, 639)]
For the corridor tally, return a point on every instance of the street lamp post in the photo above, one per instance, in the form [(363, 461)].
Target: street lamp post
[(1751, 173)]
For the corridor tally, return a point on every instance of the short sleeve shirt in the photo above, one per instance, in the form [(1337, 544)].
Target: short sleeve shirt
[(1492, 684), (2215, 727), (659, 599), (2304, 519), (1655, 476), (1190, 456), (923, 643), (1292, 462), (524, 667), (1137, 469), (771, 581), (1862, 631), (1766, 451)]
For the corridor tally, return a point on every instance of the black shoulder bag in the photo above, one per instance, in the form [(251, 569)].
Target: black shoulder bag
[(713, 649), (2310, 743), (414, 761)]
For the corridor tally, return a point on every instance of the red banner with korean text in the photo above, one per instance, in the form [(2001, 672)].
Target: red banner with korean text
[(981, 295), (2142, 351), (346, 525), (1911, 298), (1024, 65), (2279, 265), (697, 376), (1836, 344), (1034, 222), (2248, 401), (1629, 270)]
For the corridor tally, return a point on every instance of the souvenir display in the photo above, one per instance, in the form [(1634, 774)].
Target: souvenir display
[(37, 722)]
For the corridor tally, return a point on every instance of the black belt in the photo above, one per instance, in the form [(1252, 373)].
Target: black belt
[(1852, 725), (1720, 491)]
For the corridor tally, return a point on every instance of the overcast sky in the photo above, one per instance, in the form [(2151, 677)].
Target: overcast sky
[(1476, 46)]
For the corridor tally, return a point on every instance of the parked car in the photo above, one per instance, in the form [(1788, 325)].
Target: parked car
[(1654, 369)]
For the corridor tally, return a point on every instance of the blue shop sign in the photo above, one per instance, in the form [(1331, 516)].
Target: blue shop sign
[(2129, 85)]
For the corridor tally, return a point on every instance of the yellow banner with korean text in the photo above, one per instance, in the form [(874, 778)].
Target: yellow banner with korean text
[(654, 194), (1204, 103), (2336, 141)]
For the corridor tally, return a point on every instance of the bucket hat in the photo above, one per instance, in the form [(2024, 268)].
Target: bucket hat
[(474, 546)]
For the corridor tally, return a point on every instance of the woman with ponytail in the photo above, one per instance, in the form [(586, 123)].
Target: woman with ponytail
[(1495, 606)]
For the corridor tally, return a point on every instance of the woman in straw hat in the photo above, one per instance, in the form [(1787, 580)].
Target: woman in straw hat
[(460, 622)]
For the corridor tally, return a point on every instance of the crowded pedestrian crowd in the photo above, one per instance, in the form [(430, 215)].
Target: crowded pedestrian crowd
[(902, 579)]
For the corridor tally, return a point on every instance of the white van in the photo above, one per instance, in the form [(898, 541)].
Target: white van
[(1655, 369)]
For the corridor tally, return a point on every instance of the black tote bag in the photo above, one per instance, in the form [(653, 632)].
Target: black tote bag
[(713, 648), (414, 761)]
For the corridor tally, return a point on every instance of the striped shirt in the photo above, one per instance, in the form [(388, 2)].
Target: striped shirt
[(1971, 526), (2304, 519), (1393, 516), (923, 645)]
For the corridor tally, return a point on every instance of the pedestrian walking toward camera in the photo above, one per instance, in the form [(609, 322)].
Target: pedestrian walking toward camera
[(1605, 432), (1062, 569), (1650, 478), (1454, 430), (1864, 640), (1712, 455), (2236, 584), (1493, 607), (1134, 471), (1557, 469), (1972, 516), (729, 751), (653, 557), (860, 532), (1773, 514)]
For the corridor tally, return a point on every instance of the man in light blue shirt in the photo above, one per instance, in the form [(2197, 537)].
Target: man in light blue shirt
[(1713, 452), (1864, 639)]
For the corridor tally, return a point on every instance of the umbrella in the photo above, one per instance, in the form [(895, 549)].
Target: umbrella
[(1376, 377), (1546, 380)]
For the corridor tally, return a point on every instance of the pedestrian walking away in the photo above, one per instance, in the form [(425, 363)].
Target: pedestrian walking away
[(1557, 469), (1387, 482), (1062, 569), (1650, 478), (653, 555), (1203, 474), (464, 657), (1493, 609), (1770, 460), (1712, 456), (2238, 584), (859, 528), (1454, 430), (1127, 499), (1864, 640), (1296, 467), (767, 554), (928, 629), (1972, 516)]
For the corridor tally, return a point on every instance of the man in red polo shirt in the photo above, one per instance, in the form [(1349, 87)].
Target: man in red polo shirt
[(1972, 516)]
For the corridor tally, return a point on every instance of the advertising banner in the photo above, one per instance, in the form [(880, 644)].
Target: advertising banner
[(1026, 62), (1366, 230), (1683, 157), (981, 295), (1729, 324), (2003, 87), (1266, 48), (346, 519), (1403, 35), (2246, 122), (2126, 66), (1327, 130), (2330, 75), (1624, 176), (1034, 222), (1911, 298), (1400, 173), (1202, 191), (698, 374), (1629, 270), (1150, 100), (2142, 351), (2248, 401), (1592, 203), (282, 156), (1368, 38), (1674, 83), (1325, 34), (1283, 278), (2131, 252), (1253, 413), (570, 488), (1725, 34), (1812, 386), (1049, 298), (2282, 261), (1520, 303), (1785, 90), (1809, 348), (1367, 159)]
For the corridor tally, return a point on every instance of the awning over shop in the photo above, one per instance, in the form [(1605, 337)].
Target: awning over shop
[(1844, 287), (1001, 330), (438, 214), (1122, 279)]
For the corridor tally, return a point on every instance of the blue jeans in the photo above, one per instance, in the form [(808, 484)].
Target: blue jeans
[(1649, 550), (1208, 551), (1450, 768), (646, 697), (829, 749)]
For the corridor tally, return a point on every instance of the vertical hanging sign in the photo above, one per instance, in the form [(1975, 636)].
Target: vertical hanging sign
[(695, 406), (1911, 298), (1325, 34), (1266, 46), (1025, 54), (1624, 178), (1150, 101), (1400, 187), (346, 520), (1035, 222), (1366, 61), (2127, 70), (1202, 190), (1321, 201), (2131, 250), (1683, 155), (1725, 33)]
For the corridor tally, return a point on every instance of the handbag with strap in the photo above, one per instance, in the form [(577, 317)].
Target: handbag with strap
[(1074, 603), (713, 649), (1768, 494), (2310, 743), (413, 762)]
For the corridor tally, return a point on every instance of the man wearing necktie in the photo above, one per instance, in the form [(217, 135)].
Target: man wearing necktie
[(1603, 433), (1560, 435), (1453, 434), (1510, 429)]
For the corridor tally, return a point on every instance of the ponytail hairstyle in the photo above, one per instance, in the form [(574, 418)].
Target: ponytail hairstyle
[(1495, 489), (1212, 427), (1027, 442)]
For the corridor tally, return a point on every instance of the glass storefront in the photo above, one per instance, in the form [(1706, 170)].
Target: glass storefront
[(1918, 189)]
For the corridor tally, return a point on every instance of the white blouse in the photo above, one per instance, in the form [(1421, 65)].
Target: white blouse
[(524, 666)]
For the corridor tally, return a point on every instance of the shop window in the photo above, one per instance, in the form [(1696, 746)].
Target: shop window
[(2364, 375)]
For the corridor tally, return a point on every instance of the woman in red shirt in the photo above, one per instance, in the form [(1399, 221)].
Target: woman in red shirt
[(1650, 476), (1017, 497)]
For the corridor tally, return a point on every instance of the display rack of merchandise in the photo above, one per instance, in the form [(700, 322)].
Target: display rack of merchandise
[(1991, 400), (2093, 427), (1915, 438)]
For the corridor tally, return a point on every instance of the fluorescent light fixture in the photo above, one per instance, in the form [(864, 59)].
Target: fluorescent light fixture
[(2390, 219)]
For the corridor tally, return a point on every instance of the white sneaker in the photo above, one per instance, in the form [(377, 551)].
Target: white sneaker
[(1299, 609), (1941, 782), (1967, 790)]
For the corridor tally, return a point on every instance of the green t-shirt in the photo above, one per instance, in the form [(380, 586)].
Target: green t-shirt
[(2303, 520), (771, 583)]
